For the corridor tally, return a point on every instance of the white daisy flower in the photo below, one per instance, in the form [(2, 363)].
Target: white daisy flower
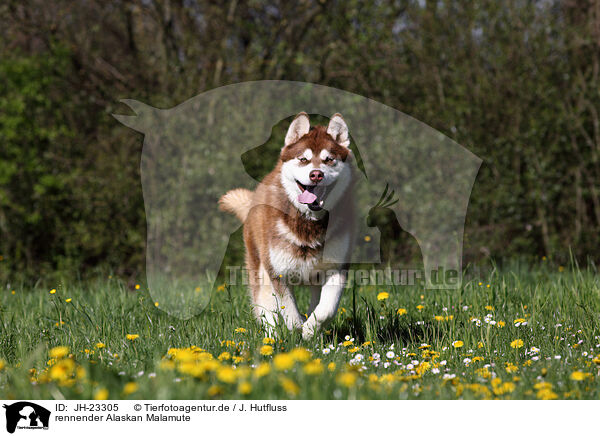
[(390, 355)]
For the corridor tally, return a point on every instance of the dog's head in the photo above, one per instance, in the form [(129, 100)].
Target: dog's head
[(316, 166)]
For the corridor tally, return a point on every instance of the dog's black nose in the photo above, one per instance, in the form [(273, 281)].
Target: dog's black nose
[(316, 176)]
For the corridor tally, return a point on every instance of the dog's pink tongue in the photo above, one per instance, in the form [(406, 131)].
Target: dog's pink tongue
[(307, 197)]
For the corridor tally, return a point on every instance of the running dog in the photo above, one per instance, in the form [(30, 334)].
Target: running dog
[(302, 206)]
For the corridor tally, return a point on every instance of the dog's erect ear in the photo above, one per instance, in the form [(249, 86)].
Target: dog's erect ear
[(338, 130), (299, 127)]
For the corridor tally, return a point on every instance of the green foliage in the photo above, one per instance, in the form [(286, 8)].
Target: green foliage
[(514, 82), (548, 310)]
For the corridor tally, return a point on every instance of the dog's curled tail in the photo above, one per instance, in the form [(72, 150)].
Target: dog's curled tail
[(238, 202)]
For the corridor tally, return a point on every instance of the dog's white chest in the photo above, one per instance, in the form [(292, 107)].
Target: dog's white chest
[(285, 261)]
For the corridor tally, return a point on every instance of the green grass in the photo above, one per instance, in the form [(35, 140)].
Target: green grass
[(561, 309)]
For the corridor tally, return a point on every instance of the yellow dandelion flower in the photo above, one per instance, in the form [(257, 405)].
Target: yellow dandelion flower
[(53, 291), (68, 300), (438, 318), (283, 361), (367, 238), (500, 324), (215, 390), (542, 385), (137, 287), (132, 337), (313, 367), (245, 388), (156, 304), (489, 307), (225, 355), (266, 350), (300, 354), (100, 345), (130, 388), (546, 394), (519, 320), (268, 341), (289, 386), (383, 296), (262, 370), (226, 374), (458, 344), (347, 379), (420, 307), (101, 394), (401, 311), (58, 352), (240, 330), (517, 343), (479, 344), (221, 288), (331, 366), (62, 370), (353, 349), (580, 376)]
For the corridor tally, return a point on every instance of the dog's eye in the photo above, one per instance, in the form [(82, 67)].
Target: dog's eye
[(329, 159), (303, 159)]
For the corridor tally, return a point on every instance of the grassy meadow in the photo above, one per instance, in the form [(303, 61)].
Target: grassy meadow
[(520, 333)]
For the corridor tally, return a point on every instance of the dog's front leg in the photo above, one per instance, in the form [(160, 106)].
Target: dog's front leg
[(331, 293), (272, 297), (286, 304)]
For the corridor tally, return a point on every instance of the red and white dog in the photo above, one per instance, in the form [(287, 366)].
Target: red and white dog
[(289, 220)]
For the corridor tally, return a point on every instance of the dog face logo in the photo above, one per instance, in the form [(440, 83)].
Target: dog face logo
[(26, 415), (192, 155)]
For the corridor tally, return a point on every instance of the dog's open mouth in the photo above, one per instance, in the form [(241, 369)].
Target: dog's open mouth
[(312, 195)]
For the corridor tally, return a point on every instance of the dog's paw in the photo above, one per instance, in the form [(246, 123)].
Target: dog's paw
[(308, 331)]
